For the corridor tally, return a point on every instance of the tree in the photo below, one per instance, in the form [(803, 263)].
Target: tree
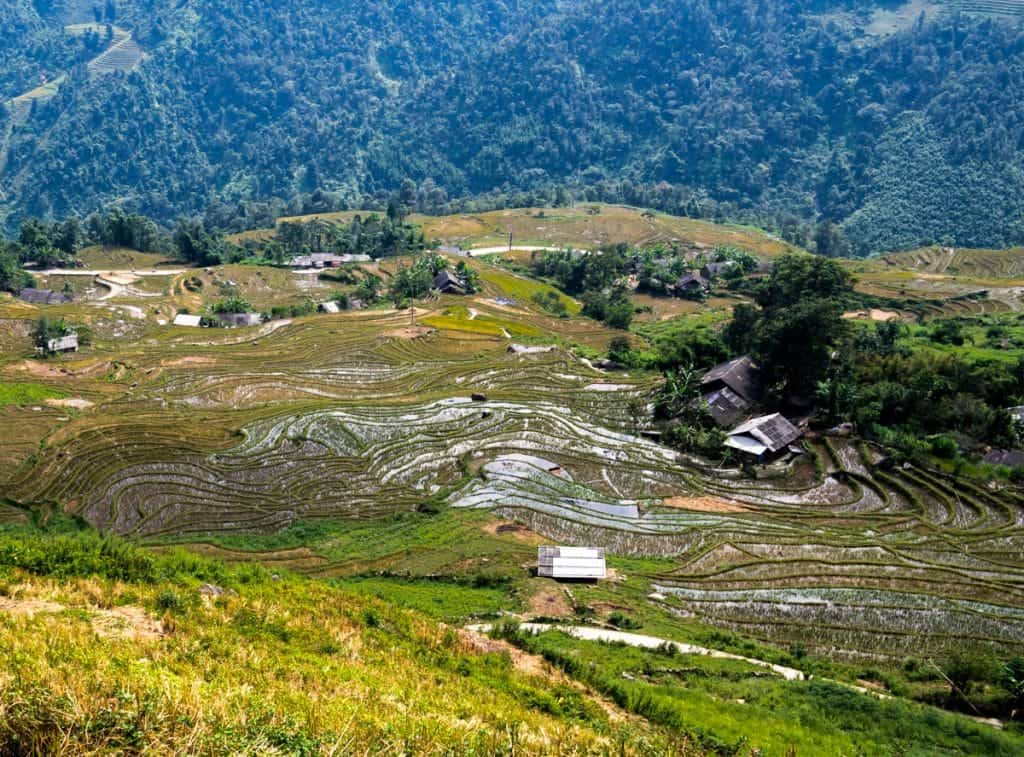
[(47, 329), (469, 276), (12, 277), (368, 290)]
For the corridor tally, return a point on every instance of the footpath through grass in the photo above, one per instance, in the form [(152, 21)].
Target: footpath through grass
[(731, 707)]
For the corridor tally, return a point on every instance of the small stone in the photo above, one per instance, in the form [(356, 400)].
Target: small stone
[(211, 590)]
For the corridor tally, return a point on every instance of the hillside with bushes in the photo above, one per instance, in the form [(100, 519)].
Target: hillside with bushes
[(787, 113)]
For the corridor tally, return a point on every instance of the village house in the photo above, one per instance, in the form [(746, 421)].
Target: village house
[(730, 389), (43, 297), (690, 283), (713, 270), (330, 307), (232, 320), (763, 438), (448, 283), (571, 563)]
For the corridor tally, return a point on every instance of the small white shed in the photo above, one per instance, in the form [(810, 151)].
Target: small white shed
[(572, 563), (183, 319)]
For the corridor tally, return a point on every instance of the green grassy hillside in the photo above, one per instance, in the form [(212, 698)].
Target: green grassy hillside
[(107, 648)]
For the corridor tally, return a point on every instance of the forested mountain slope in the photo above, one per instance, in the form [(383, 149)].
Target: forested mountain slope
[(776, 108)]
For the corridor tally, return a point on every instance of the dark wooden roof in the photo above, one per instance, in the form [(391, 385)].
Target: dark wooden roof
[(691, 280), (447, 282), (725, 407), (1014, 458), (742, 375), (43, 297)]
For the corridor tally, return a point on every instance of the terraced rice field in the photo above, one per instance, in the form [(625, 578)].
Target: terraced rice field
[(362, 415), (123, 55)]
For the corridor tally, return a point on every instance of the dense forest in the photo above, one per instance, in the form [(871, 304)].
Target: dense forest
[(784, 112)]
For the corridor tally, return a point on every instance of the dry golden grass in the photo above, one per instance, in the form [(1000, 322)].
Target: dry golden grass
[(584, 226), (90, 666)]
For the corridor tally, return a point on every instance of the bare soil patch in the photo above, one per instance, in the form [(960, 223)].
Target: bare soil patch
[(410, 332), (706, 504), (874, 314), (126, 622), (191, 360), (550, 601), (514, 530)]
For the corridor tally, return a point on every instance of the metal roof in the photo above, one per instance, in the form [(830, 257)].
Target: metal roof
[(184, 319), (60, 344), (571, 562), (769, 433)]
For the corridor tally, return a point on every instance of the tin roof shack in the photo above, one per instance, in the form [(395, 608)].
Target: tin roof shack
[(329, 307), (730, 389), (233, 320), (184, 319), (43, 297), (571, 563), (66, 343), (763, 438), (448, 283)]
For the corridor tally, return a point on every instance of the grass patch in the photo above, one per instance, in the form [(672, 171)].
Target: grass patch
[(441, 598), (27, 394), (730, 706), (457, 318), (523, 290)]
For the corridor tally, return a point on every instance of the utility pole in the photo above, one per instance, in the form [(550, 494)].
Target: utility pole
[(510, 241)]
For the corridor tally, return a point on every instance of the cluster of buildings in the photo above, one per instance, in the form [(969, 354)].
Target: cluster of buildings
[(326, 260), (729, 392), (696, 282)]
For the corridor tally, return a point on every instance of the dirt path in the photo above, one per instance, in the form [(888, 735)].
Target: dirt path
[(108, 273), (590, 633)]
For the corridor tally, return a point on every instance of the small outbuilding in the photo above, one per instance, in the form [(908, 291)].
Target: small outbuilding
[(448, 283), (329, 307), (66, 343), (571, 563), (184, 319), (763, 437), (43, 297)]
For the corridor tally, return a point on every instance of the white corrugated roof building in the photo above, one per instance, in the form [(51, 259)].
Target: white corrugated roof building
[(571, 562), (67, 343), (184, 319)]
